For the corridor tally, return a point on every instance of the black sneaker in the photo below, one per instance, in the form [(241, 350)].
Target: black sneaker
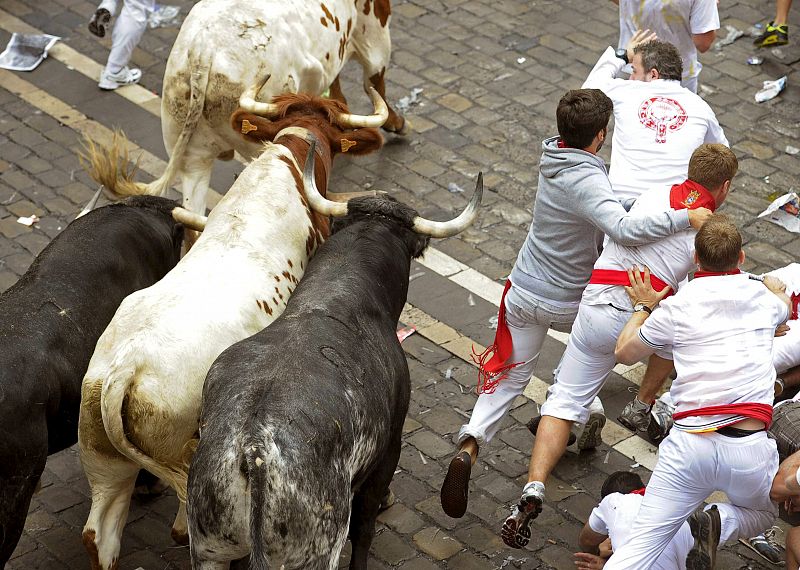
[(635, 416), (706, 527), (773, 36), (660, 421), (99, 21)]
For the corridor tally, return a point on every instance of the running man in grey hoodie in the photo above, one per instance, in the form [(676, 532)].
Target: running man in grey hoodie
[(573, 210)]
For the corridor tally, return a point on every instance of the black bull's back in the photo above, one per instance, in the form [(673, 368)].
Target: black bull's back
[(50, 321), (319, 397)]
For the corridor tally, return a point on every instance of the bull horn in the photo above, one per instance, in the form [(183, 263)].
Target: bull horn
[(456, 225), (375, 120), (92, 203), (189, 219), (317, 201), (247, 101)]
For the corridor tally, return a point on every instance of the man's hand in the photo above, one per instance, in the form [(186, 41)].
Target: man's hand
[(605, 548), (641, 290), (586, 561), (640, 37), (782, 329), (698, 217), (774, 284)]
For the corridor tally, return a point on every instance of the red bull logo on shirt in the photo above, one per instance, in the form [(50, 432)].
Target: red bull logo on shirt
[(662, 114)]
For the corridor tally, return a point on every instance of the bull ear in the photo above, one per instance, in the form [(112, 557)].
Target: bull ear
[(358, 142), (253, 127)]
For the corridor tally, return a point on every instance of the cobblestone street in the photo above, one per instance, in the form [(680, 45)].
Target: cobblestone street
[(490, 73)]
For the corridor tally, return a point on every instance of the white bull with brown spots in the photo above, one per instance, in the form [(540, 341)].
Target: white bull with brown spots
[(141, 394), (225, 46)]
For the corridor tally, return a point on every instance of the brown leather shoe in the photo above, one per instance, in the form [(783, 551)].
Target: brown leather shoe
[(455, 489)]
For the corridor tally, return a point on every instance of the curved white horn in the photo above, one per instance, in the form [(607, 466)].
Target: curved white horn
[(92, 203), (316, 201), (375, 120), (247, 101), (189, 219), (456, 225)]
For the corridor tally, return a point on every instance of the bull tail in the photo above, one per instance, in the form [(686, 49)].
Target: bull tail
[(256, 459), (116, 386), (111, 166)]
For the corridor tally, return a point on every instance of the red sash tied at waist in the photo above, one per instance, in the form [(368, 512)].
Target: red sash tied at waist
[(620, 277), (760, 412), (492, 362)]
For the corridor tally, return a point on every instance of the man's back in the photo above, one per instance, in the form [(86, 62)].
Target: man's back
[(657, 126), (674, 21), (669, 259)]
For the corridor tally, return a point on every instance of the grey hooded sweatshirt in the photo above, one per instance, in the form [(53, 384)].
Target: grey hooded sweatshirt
[(574, 207)]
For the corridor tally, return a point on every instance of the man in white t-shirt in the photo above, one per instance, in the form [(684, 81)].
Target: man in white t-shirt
[(721, 327), (657, 122), (689, 25), (605, 307)]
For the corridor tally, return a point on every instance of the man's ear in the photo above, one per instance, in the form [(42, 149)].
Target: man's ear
[(654, 74), (695, 258), (741, 257)]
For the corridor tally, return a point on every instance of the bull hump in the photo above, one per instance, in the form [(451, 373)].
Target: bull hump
[(347, 367)]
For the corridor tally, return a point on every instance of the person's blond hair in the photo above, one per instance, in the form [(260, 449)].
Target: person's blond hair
[(712, 164), (718, 244)]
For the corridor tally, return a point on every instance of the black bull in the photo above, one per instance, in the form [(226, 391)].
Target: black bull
[(50, 321), (309, 412)]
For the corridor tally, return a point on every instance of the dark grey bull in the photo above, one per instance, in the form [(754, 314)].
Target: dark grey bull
[(50, 321), (301, 423)]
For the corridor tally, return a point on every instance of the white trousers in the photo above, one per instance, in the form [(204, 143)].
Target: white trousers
[(128, 29), (587, 361), (690, 467), (528, 320)]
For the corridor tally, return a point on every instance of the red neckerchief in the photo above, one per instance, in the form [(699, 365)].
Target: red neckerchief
[(637, 491), (561, 144), (715, 273), (691, 195)]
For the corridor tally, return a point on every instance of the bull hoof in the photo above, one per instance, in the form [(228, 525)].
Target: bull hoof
[(89, 543), (179, 538), (387, 501), (403, 130)]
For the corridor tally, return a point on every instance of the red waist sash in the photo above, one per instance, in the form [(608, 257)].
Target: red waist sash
[(620, 277), (760, 412)]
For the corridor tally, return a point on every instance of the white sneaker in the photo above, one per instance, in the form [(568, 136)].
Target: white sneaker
[(125, 76)]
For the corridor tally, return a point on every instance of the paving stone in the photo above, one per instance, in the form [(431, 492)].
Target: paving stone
[(436, 544), (391, 548), (401, 519)]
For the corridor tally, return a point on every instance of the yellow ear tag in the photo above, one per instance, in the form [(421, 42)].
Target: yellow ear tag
[(347, 145), (248, 127)]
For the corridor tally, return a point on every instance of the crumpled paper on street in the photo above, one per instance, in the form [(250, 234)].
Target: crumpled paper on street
[(164, 16), (25, 52), (784, 211)]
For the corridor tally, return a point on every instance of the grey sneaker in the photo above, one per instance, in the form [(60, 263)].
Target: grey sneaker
[(660, 421), (99, 21), (126, 76), (706, 527), (767, 546), (516, 531), (591, 436), (635, 416)]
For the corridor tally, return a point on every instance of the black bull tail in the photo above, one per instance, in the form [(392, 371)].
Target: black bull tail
[(256, 459)]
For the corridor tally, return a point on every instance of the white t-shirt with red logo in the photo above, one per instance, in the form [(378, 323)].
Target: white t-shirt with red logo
[(674, 21), (670, 259), (657, 126), (721, 329)]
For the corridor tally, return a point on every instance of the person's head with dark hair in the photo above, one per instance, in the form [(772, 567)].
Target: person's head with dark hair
[(718, 245), (656, 60), (582, 117), (621, 482)]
